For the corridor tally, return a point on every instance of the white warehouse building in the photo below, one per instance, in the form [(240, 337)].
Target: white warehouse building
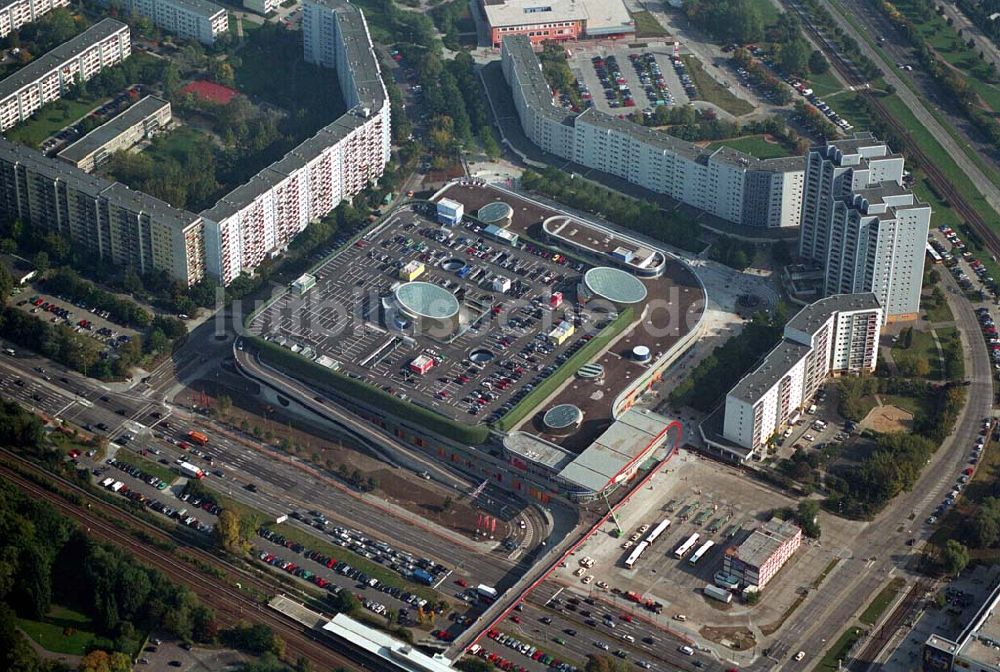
[(833, 336), (726, 183)]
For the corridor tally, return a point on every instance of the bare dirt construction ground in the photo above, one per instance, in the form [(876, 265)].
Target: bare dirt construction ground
[(294, 436), (887, 419), (738, 639)]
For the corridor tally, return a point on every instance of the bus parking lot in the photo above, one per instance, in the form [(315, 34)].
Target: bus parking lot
[(719, 504)]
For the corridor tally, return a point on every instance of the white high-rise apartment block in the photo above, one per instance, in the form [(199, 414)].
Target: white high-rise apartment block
[(254, 221), (858, 221), (16, 13), (726, 183), (191, 19), (48, 77), (259, 219), (835, 335)]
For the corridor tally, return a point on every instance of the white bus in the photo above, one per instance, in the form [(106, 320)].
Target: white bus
[(657, 531), (636, 552), (702, 550), (686, 546)]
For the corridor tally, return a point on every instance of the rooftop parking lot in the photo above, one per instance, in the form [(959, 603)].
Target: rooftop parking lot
[(673, 305), (497, 355)]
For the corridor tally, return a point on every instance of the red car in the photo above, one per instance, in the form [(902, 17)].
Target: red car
[(462, 582)]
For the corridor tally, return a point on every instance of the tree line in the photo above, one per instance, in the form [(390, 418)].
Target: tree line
[(641, 216), (957, 86), (48, 560), (716, 374)]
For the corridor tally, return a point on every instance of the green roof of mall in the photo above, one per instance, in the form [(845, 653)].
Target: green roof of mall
[(426, 299), (615, 285)]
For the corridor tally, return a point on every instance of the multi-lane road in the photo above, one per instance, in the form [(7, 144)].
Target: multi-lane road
[(283, 484)]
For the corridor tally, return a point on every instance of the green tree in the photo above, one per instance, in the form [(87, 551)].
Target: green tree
[(807, 516), (955, 557), (985, 525), (818, 63), (227, 532), (794, 56), (41, 262), (6, 285)]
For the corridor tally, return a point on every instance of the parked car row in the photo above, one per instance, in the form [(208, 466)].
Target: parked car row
[(524, 649), (651, 78), (181, 515), (344, 569), (137, 473), (616, 88), (686, 81)]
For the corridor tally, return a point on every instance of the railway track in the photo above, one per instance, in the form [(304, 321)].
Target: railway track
[(888, 630), (231, 605), (943, 185)]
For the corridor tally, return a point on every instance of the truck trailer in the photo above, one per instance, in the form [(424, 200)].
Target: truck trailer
[(422, 577), (719, 594), (191, 471), (487, 592)]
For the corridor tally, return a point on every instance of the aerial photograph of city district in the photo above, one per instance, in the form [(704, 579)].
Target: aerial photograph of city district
[(520, 335)]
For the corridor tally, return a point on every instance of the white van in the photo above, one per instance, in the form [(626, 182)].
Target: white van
[(686, 650)]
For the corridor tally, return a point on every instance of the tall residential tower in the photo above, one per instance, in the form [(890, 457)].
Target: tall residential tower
[(862, 226)]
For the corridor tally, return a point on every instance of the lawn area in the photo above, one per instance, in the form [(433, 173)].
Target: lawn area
[(62, 631), (848, 105), (162, 472), (839, 650), (937, 312), (50, 119), (825, 84), (943, 214), (882, 601), (711, 91), (646, 25), (923, 346), (914, 406), (755, 145), (177, 144)]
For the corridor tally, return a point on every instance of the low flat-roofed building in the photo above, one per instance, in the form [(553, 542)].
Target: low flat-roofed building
[(137, 123), (760, 556), (557, 19), (977, 647), (615, 456), (395, 654)]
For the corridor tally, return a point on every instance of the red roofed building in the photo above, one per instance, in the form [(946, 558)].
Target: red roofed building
[(210, 91)]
